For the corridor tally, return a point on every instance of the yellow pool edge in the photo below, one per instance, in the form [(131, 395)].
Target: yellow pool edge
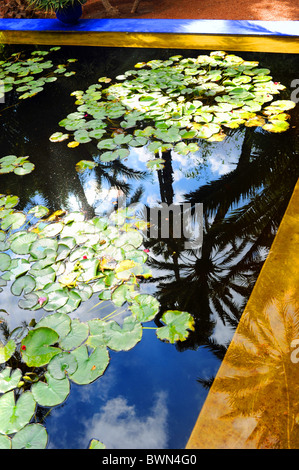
[(277, 44), (219, 426)]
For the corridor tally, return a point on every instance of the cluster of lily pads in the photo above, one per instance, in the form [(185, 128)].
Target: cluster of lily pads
[(172, 104), (28, 76), (18, 165), (57, 262)]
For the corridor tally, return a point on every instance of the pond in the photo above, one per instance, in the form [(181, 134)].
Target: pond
[(202, 135)]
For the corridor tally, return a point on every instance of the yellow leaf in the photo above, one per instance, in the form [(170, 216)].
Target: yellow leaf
[(125, 265), (73, 144)]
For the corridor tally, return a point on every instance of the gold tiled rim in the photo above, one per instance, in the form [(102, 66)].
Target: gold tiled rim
[(278, 44)]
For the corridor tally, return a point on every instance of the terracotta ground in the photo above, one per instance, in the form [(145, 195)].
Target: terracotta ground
[(200, 9)]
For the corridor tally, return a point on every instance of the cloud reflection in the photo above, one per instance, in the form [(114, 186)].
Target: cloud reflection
[(119, 426)]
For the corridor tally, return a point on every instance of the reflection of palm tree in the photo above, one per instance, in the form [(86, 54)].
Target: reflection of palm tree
[(263, 381), (235, 241)]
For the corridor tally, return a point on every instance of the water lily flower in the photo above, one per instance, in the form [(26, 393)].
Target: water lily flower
[(23, 347), (146, 250), (41, 300), (84, 257)]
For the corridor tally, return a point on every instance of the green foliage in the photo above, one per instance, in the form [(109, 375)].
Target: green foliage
[(55, 262), (52, 5), (18, 165), (61, 262), (28, 76), (173, 104)]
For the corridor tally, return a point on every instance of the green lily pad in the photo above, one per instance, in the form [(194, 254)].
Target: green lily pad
[(40, 248), (156, 164), (76, 336), (5, 261), (13, 221), (7, 350), (145, 307), (121, 295), (90, 367), (85, 165), (59, 322), (24, 284), (177, 325), (25, 169), (51, 393), (5, 442), (15, 415), (36, 346), (29, 301), (9, 201), (96, 337), (95, 444), (123, 338), (20, 245), (61, 365), (9, 379), (276, 126), (32, 436)]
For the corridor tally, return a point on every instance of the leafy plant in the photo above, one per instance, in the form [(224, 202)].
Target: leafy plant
[(18, 165), (28, 76), (52, 5), (173, 104)]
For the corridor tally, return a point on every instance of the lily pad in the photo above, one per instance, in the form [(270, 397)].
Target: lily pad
[(5, 261), (76, 336), (36, 346), (32, 436), (24, 284), (61, 365), (51, 393), (125, 337), (59, 322), (90, 367), (7, 350), (145, 307), (177, 325), (9, 379), (14, 415)]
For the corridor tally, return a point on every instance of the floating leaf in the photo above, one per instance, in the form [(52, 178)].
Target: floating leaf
[(32, 436), (89, 367), (144, 307), (5, 442), (51, 393), (177, 325), (156, 164), (5, 261), (21, 243), (24, 284), (15, 415), (123, 338), (60, 322), (9, 379), (61, 365), (13, 221), (7, 351), (85, 165), (76, 336), (276, 126), (36, 346), (95, 444)]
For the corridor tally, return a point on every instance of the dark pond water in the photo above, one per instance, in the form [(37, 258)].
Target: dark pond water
[(150, 396)]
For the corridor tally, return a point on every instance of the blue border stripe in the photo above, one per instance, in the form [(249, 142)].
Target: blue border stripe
[(175, 26)]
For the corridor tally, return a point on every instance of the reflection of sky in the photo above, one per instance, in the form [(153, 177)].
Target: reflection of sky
[(148, 398)]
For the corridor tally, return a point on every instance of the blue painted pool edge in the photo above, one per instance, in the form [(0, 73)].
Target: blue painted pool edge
[(175, 26)]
